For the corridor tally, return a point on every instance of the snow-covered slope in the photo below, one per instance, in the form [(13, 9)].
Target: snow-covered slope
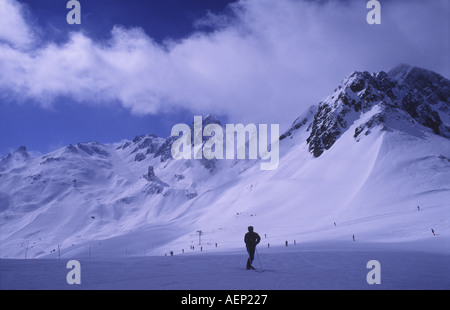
[(358, 164), (329, 265)]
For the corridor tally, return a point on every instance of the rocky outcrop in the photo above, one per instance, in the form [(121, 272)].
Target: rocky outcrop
[(420, 94)]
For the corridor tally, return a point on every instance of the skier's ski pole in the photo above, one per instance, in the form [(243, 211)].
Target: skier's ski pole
[(259, 261)]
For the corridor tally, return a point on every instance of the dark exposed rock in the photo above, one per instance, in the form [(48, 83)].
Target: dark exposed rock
[(178, 177), (155, 186), (418, 92), (150, 176), (165, 150), (300, 122), (92, 148), (139, 157)]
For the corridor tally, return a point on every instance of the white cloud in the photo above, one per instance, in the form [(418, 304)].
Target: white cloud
[(14, 28), (266, 64)]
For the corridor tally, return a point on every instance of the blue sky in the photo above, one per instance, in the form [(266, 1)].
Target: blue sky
[(65, 122), (140, 66), (159, 19)]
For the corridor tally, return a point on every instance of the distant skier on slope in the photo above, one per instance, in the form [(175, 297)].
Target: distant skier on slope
[(251, 239)]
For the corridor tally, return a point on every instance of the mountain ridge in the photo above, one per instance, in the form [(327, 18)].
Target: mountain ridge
[(395, 93), (362, 152)]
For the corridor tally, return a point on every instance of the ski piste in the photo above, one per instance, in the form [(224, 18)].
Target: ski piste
[(253, 269)]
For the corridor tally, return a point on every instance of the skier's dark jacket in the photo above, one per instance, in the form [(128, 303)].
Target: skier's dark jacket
[(252, 239)]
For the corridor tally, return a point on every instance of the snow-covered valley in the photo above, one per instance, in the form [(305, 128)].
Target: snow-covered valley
[(362, 164)]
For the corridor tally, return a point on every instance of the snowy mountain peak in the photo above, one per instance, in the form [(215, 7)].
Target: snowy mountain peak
[(211, 119), (20, 152), (400, 72), (417, 77), (19, 156), (419, 95)]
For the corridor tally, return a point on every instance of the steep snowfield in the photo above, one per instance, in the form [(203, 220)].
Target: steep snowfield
[(365, 195)]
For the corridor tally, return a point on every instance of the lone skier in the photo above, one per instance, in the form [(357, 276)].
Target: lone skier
[(251, 239)]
